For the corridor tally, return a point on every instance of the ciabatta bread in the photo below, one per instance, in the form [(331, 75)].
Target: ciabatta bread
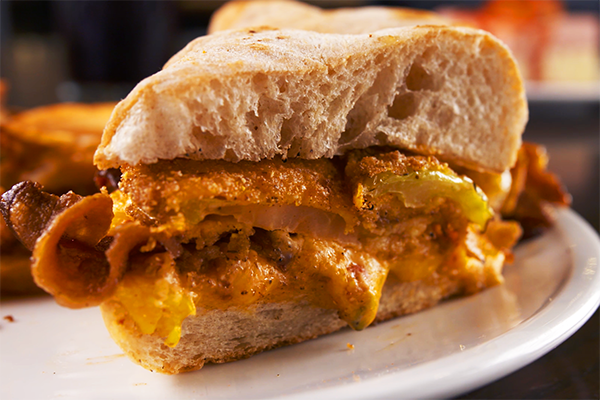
[(218, 336), (297, 15), (253, 94)]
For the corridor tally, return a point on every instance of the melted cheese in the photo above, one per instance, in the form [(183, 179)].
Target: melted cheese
[(323, 266), (156, 304)]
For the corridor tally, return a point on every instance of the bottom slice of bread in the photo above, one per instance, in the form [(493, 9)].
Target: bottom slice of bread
[(219, 336)]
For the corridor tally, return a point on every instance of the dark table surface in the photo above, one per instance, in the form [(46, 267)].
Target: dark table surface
[(36, 68)]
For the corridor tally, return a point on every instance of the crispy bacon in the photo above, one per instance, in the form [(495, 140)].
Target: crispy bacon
[(15, 275), (27, 210), (534, 192), (66, 235), (51, 145)]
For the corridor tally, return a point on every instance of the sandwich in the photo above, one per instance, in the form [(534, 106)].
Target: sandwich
[(278, 185), (54, 146)]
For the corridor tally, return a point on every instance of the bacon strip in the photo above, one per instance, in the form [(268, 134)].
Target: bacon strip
[(66, 235), (534, 191), (27, 210)]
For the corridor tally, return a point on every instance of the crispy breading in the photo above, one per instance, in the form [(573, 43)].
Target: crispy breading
[(168, 189)]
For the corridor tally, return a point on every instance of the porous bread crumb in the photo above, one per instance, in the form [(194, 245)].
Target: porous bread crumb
[(241, 95)]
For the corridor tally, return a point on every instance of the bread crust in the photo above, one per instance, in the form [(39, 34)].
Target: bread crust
[(253, 94), (297, 15), (219, 336)]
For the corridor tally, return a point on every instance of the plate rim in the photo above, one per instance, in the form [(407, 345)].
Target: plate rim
[(562, 321)]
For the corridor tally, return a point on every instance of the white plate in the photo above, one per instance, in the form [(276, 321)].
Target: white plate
[(551, 290)]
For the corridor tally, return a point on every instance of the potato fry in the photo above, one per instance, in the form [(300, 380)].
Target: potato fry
[(78, 126), (54, 146)]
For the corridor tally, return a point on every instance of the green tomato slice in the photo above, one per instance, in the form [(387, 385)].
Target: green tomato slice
[(418, 188)]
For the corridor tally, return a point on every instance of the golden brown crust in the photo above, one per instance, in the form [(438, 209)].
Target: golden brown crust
[(164, 188), (370, 162)]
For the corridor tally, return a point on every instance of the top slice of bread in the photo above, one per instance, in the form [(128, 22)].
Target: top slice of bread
[(257, 93), (296, 15)]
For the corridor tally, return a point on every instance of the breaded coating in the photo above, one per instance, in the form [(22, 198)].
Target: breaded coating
[(195, 189)]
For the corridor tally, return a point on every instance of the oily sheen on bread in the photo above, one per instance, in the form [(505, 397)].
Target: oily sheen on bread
[(253, 94), (297, 15)]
